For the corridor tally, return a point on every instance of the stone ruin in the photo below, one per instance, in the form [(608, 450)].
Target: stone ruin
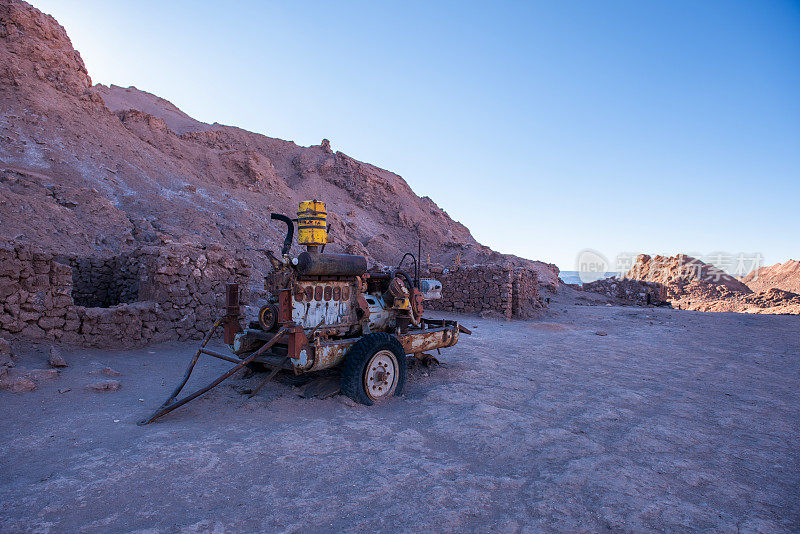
[(176, 292), (507, 291), (638, 292), (154, 294), (103, 282)]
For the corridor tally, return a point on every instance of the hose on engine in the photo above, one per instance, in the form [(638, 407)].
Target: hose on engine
[(416, 269), (287, 243)]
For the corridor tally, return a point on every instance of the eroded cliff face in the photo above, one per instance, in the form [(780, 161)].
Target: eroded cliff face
[(98, 170)]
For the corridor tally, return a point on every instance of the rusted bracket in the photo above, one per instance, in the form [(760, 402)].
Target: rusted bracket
[(270, 377), (171, 404), (447, 322)]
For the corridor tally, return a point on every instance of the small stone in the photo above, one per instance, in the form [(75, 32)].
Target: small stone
[(601, 333), (108, 371), (347, 401), (55, 359), (64, 390), (105, 385)]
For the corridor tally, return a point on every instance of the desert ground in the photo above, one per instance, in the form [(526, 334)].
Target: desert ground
[(672, 421)]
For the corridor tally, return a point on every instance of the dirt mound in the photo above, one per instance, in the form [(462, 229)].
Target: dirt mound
[(694, 285), (785, 276), (98, 170)]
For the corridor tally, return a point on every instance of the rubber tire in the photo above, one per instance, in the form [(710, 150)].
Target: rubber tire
[(355, 363)]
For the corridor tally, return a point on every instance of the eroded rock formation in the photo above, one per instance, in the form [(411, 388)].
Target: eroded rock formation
[(694, 285)]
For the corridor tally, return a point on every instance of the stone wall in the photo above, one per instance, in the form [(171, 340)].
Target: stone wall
[(104, 282), (525, 300), (505, 290), (35, 292), (179, 292), (634, 291)]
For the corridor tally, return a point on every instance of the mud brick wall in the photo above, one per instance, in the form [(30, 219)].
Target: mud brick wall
[(179, 291), (634, 291), (473, 289)]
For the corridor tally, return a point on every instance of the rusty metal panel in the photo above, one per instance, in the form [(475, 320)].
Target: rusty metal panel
[(329, 354), (285, 306), (297, 344), (433, 338)]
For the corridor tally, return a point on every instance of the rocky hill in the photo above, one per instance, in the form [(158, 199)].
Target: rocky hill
[(694, 285), (93, 170), (784, 276), (676, 272)]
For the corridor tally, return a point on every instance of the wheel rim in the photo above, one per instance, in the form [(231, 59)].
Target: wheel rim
[(380, 376)]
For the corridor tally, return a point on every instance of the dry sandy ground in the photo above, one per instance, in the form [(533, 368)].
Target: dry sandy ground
[(674, 421)]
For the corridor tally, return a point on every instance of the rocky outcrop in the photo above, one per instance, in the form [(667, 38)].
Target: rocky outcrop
[(27, 64), (694, 285), (676, 272), (783, 276), (702, 296)]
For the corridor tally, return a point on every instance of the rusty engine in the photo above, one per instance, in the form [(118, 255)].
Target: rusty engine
[(327, 311)]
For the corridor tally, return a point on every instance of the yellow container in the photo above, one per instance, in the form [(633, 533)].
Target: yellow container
[(312, 223), (402, 303)]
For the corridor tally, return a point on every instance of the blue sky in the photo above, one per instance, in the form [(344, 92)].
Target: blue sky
[(545, 127)]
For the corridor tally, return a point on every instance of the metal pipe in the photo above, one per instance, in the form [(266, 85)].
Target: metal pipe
[(220, 356), (189, 369), (419, 260), (232, 312), (270, 377), (166, 407), (287, 243)]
